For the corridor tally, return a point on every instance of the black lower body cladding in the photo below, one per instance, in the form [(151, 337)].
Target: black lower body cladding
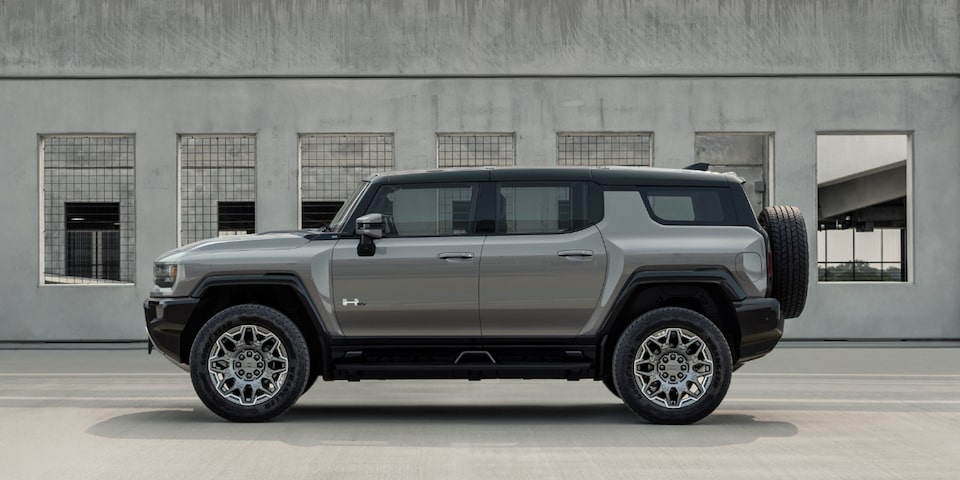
[(790, 253), (166, 319)]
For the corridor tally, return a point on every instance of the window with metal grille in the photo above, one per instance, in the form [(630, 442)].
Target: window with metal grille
[(331, 167), (89, 211), (215, 170), (318, 214), (235, 218), (475, 150), (604, 148)]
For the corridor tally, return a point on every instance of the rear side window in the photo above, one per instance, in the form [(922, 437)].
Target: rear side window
[(541, 207), (689, 205)]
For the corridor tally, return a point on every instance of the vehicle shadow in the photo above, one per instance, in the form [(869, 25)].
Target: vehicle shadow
[(593, 425)]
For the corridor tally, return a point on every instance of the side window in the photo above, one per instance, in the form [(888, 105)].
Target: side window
[(689, 205), (426, 210), (541, 208)]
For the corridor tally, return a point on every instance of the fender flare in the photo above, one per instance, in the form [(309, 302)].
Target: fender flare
[(719, 277), (277, 279)]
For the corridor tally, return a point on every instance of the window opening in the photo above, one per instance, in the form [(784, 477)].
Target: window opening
[(604, 148), (215, 170), (332, 167), (89, 209), (93, 240), (862, 207), (475, 150), (745, 154)]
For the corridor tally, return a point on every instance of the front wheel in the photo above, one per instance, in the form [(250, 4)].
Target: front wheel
[(672, 366), (249, 363)]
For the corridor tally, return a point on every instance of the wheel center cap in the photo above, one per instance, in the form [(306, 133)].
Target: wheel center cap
[(672, 367), (249, 365)]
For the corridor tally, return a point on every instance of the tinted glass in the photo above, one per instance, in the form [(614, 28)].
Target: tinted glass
[(541, 208), (690, 206), (425, 210)]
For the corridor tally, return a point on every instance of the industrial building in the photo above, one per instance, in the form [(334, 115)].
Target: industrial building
[(128, 128)]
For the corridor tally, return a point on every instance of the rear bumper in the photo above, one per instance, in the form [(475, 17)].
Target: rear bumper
[(166, 318), (761, 327)]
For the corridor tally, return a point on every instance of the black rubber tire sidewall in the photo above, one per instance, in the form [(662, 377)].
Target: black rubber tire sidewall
[(791, 258), (298, 362), (649, 323), (312, 379), (609, 383)]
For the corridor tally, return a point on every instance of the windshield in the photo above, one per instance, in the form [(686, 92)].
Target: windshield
[(337, 224)]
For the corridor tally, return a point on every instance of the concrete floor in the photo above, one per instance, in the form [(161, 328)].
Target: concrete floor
[(799, 413)]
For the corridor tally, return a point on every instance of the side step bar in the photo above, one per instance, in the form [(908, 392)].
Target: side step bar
[(468, 371)]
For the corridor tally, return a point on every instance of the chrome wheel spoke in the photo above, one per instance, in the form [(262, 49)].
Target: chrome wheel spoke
[(248, 365), (673, 367)]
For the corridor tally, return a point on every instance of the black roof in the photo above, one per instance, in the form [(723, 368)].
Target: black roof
[(602, 175)]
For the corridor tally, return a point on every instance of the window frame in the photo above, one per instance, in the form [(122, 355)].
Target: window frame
[(41, 139), (181, 221), (908, 251)]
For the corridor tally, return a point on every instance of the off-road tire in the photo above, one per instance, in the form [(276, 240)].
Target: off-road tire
[(707, 340), (609, 383), (266, 320), (788, 246)]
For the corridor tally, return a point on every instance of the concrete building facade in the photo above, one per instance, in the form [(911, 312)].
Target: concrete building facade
[(517, 80)]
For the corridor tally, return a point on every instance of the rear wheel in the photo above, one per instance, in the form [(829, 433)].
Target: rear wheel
[(672, 366), (249, 363), (788, 246)]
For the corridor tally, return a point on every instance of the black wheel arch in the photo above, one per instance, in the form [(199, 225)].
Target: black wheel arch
[(283, 292), (707, 292)]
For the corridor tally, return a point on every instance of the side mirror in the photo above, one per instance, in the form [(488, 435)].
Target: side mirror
[(370, 225)]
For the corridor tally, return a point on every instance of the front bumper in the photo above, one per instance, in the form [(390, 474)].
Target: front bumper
[(166, 319), (761, 326)]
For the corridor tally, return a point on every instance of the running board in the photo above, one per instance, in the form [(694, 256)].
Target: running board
[(467, 371)]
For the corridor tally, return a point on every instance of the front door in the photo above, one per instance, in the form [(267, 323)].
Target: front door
[(423, 279)]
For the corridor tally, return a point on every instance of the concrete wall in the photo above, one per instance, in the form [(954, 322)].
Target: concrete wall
[(477, 37), (411, 68), (414, 110)]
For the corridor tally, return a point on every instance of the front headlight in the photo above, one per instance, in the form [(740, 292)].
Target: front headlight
[(164, 274)]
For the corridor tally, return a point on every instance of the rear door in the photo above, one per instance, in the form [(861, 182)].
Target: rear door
[(543, 268)]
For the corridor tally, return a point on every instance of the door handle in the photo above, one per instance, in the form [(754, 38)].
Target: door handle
[(575, 253), (455, 255)]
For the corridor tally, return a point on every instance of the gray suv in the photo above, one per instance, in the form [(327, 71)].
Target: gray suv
[(658, 283)]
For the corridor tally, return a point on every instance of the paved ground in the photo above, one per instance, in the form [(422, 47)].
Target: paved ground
[(799, 413)]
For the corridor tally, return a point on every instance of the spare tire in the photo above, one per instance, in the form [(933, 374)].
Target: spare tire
[(788, 246)]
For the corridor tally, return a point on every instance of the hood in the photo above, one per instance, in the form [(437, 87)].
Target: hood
[(259, 241)]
